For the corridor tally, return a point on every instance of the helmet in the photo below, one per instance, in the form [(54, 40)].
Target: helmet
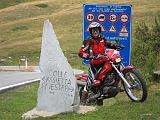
[(94, 25)]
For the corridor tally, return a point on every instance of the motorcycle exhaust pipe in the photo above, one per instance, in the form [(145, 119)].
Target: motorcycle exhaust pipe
[(93, 97), (81, 83)]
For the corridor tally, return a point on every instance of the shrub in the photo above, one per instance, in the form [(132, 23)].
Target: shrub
[(21, 27), (42, 5), (146, 47)]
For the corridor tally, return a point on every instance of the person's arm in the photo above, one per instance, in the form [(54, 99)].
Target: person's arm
[(112, 45), (84, 50)]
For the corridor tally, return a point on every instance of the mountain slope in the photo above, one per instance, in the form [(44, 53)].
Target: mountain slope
[(21, 25)]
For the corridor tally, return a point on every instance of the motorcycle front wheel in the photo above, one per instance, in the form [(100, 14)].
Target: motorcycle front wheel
[(138, 91)]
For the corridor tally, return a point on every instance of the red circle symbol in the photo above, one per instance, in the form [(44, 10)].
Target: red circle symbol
[(90, 17), (124, 18), (112, 17), (101, 17)]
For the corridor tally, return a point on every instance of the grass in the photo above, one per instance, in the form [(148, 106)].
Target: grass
[(16, 102), (8, 3)]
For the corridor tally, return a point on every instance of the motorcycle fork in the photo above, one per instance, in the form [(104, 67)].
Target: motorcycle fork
[(121, 75), (132, 78)]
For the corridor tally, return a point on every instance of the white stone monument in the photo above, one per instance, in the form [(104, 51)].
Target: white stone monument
[(57, 91)]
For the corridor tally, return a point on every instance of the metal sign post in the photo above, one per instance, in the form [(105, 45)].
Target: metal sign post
[(116, 22)]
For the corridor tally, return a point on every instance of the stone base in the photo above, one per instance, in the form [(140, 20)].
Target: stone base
[(85, 109), (34, 113)]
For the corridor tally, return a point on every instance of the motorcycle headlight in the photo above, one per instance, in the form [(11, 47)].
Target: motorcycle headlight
[(118, 60)]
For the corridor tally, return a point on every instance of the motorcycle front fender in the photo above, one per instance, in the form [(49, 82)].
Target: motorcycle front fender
[(128, 68)]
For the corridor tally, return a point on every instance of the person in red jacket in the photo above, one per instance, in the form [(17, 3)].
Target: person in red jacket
[(96, 44)]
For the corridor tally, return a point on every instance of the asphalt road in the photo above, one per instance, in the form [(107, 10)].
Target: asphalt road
[(11, 78)]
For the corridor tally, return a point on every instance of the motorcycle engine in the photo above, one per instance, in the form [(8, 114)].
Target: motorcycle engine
[(105, 90), (110, 79), (110, 91), (111, 88)]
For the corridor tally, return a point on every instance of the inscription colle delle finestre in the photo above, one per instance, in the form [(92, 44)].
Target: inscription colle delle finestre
[(57, 81)]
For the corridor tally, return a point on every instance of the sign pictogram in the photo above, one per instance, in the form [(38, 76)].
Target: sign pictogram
[(101, 17), (112, 29), (124, 31), (124, 18), (90, 17), (112, 17)]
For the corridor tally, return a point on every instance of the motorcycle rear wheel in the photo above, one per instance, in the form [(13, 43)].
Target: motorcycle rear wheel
[(138, 91)]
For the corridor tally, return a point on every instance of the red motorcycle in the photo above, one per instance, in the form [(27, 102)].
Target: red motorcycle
[(121, 78)]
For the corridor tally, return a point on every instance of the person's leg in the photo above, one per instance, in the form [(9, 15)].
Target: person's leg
[(106, 68)]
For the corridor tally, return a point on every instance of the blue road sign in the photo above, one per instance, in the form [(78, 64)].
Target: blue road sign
[(115, 21)]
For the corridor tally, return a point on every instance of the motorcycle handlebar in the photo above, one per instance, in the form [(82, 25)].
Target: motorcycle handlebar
[(120, 47), (99, 56)]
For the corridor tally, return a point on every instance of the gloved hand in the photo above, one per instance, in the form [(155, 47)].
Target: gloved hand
[(119, 47), (85, 55)]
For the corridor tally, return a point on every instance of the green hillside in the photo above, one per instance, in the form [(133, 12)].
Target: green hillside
[(21, 25)]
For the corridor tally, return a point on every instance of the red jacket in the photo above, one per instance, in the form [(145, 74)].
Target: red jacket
[(98, 46)]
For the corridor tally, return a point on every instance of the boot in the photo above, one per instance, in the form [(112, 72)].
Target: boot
[(84, 97)]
